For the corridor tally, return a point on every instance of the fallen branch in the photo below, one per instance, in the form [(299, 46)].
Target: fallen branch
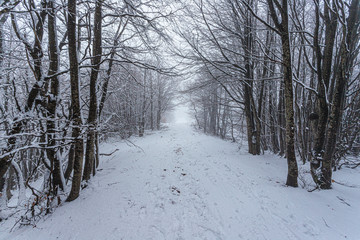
[(343, 184), (343, 201), (109, 184), (109, 154)]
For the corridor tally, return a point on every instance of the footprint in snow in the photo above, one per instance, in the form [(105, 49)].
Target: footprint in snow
[(142, 213), (179, 151), (228, 169), (175, 190)]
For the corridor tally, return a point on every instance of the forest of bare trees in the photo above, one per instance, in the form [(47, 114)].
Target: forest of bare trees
[(74, 73), (281, 75)]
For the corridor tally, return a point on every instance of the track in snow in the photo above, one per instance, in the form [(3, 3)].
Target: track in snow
[(180, 184)]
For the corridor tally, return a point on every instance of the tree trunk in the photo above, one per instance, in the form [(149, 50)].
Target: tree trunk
[(52, 102), (324, 63), (349, 41), (75, 102), (159, 108), (151, 105), (283, 30), (281, 120), (93, 108), (289, 113), (251, 114)]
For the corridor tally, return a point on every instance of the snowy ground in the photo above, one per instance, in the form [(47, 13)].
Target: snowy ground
[(180, 184)]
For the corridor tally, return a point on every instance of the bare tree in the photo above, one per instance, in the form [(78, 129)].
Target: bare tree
[(348, 52)]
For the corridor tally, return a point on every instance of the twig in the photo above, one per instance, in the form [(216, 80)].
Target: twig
[(109, 154), (109, 184), (343, 201), (343, 184), (326, 223), (317, 187), (133, 144), (356, 165)]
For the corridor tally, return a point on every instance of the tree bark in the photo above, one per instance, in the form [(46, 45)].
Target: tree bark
[(349, 41), (75, 102), (252, 120), (324, 64), (283, 30), (52, 101), (93, 108)]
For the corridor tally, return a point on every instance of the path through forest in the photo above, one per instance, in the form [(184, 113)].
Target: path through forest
[(181, 184)]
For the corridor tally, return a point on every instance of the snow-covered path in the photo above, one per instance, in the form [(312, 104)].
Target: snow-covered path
[(180, 184)]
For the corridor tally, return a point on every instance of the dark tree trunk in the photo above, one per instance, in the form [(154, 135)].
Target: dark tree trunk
[(52, 101), (3, 179), (349, 41), (70, 165), (283, 30), (324, 63), (75, 103), (252, 120), (105, 85), (289, 113), (93, 115)]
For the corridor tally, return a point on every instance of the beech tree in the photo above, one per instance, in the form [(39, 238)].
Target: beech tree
[(348, 52), (282, 28), (90, 154), (76, 117)]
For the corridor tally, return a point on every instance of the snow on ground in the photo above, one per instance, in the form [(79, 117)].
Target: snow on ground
[(181, 184)]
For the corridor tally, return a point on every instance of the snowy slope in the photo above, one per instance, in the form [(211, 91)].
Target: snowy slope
[(180, 184)]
